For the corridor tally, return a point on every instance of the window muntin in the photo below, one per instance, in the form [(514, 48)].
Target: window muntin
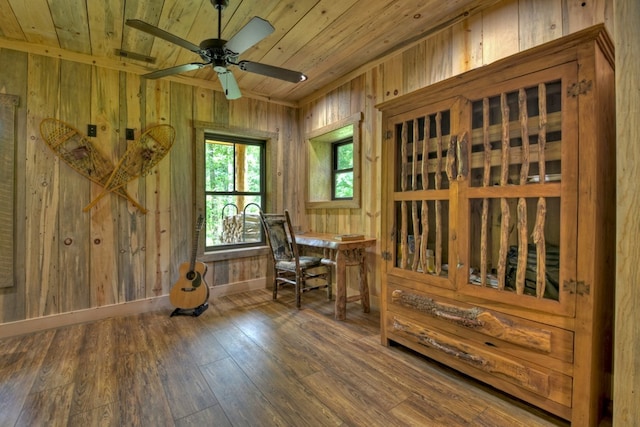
[(342, 170), (235, 191)]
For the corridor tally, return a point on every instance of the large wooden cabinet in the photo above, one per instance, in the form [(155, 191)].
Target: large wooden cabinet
[(499, 224)]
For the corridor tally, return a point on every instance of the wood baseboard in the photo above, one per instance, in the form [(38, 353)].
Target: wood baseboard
[(22, 327)]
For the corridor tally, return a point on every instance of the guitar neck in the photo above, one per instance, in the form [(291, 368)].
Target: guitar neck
[(194, 250)]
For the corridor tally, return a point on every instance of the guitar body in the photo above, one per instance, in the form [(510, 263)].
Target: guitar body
[(191, 289), (191, 292)]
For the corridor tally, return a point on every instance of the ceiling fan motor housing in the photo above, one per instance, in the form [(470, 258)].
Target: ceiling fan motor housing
[(212, 50)]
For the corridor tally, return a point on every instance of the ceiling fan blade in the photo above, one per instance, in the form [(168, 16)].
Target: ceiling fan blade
[(254, 31), (229, 84), (157, 32), (271, 71), (173, 70)]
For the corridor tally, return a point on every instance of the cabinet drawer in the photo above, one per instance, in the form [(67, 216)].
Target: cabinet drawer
[(537, 342), (485, 363)]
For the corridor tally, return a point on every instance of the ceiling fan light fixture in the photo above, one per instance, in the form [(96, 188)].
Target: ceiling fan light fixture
[(229, 85)]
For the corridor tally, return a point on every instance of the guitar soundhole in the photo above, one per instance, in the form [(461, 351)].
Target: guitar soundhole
[(191, 275)]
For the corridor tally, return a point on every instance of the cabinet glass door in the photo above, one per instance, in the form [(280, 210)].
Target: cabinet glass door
[(521, 177)]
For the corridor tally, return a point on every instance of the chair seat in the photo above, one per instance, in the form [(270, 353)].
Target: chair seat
[(305, 262)]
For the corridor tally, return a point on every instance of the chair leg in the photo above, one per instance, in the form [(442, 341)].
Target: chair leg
[(329, 285), (299, 284), (275, 285)]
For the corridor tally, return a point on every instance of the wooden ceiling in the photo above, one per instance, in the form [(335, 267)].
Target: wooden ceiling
[(325, 39)]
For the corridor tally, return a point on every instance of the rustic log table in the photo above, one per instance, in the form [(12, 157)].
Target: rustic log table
[(342, 254)]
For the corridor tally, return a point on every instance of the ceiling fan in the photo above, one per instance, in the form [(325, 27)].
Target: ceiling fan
[(222, 53)]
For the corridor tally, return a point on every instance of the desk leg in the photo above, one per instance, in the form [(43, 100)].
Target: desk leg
[(341, 286), (364, 284)]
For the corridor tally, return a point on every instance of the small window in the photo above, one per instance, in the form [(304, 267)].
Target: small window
[(333, 165), (234, 191), (342, 174)]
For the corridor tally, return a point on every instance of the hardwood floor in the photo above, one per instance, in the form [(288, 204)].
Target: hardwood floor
[(246, 361)]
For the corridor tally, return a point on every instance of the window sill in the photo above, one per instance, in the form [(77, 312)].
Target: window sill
[(234, 254), (332, 204)]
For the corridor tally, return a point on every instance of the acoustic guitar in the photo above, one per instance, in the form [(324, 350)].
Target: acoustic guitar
[(191, 291)]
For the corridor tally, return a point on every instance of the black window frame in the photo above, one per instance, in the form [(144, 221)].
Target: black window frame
[(246, 141), (335, 170)]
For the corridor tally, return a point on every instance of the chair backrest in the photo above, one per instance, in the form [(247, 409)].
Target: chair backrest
[(280, 236)]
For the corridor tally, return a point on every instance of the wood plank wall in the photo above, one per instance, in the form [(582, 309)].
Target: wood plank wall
[(8, 104), (507, 28), (69, 260), (626, 381)]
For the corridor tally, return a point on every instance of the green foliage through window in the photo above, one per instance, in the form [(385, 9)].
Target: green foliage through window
[(234, 176), (342, 182)]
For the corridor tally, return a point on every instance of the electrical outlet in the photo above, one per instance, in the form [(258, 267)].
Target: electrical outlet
[(92, 130), (129, 135)]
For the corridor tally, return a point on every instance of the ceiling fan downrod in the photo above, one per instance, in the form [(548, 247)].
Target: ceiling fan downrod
[(220, 5)]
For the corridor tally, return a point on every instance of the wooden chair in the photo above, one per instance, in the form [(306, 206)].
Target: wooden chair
[(305, 273)]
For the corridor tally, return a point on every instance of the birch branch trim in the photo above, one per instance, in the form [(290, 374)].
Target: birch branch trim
[(542, 131), (438, 254), (425, 236), (404, 235), (524, 132), (486, 177), (484, 242), (541, 250), (438, 177), (504, 242), (425, 154), (403, 154), (414, 154), (416, 236), (504, 173), (523, 249)]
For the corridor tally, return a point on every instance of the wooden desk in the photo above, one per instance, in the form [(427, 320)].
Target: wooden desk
[(342, 254)]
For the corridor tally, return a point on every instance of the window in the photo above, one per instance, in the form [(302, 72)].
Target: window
[(333, 165), (342, 174), (234, 191)]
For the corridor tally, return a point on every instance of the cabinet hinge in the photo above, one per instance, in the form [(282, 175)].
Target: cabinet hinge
[(580, 88), (576, 287), (386, 255), (388, 134)]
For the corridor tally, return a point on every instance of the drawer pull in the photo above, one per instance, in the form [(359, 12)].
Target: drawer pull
[(478, 319)]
